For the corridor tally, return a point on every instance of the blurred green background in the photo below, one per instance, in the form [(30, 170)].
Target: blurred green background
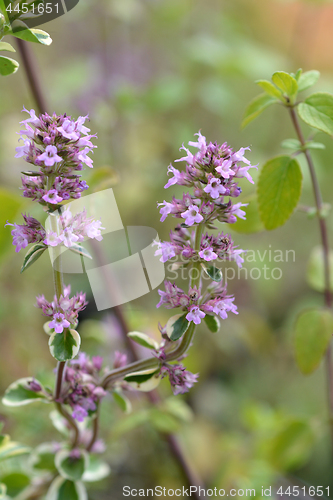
[(151, 73)]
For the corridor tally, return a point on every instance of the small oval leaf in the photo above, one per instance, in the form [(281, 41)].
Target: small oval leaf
[(32, 255), (71, 464), (317, 111), (213, 272), (177, 326), (19, 392), (212, 323), (143, 340), (279, 189), (256, 107), (313, 332), (65, 345)]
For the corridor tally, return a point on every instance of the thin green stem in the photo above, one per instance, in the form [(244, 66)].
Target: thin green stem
[(180, 349), (326, 252)]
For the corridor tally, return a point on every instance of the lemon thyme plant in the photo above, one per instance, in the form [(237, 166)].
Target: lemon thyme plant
[(278, 192), (57, 148)]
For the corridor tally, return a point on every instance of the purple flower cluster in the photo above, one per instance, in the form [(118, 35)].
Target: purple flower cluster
[(214, 301), (24, 234), (180, 379), (213, 172), (63, 311), (211, 247), (74, 229), (82, 391), (59, 147)]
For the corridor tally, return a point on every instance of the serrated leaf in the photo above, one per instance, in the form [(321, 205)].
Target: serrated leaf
[(315, 274), (8, 66), (317, 111), (213, 272), (32, 255), (96, 471), (308, 79), (18, 393), (144, 380), (252, 223), (65, 345), (286, 83), (313, 332), (64, 489), (143, 340), (6, 46), (122, 401), (31, 35), (256, 107), (212, 323), (279, 189), (269, 88), (177, 326), (79, 249), (291, 144), (69, 465)]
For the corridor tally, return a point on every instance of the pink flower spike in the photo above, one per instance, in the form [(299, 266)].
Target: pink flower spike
[(59, 323), (67, 130), (214, 188), (192, 215), (52, 197)]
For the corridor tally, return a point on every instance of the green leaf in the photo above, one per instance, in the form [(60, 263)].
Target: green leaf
[(213, 272), (291, 446), (212, 322), (145, 380), (3, 490), (308, 79), (315, 270), (269, 88), (317, 111), (313, 331), (315, 145), (79, 249), (279, 189), (286, 83), (122, 401), (60, 423), (96, 471), (252, 223), (10, 449), (6, 46), (291, 144), (18, 393), (32, 255), (71, 466), (143, 339), (31, 35), (15, 482), (8, 66), (42, 457), (64, 489), (256, 107), (65, 345), (177, 326)]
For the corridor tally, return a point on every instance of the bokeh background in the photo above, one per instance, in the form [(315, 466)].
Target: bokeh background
[(151, 73)]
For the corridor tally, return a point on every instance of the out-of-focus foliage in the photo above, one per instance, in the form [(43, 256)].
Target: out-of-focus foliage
[(151, 74)]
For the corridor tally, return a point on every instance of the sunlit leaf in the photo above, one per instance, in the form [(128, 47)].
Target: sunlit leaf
[(256, 107), (316, 272), (308, 79), (317, 111), (279, 189), (8, 66)]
